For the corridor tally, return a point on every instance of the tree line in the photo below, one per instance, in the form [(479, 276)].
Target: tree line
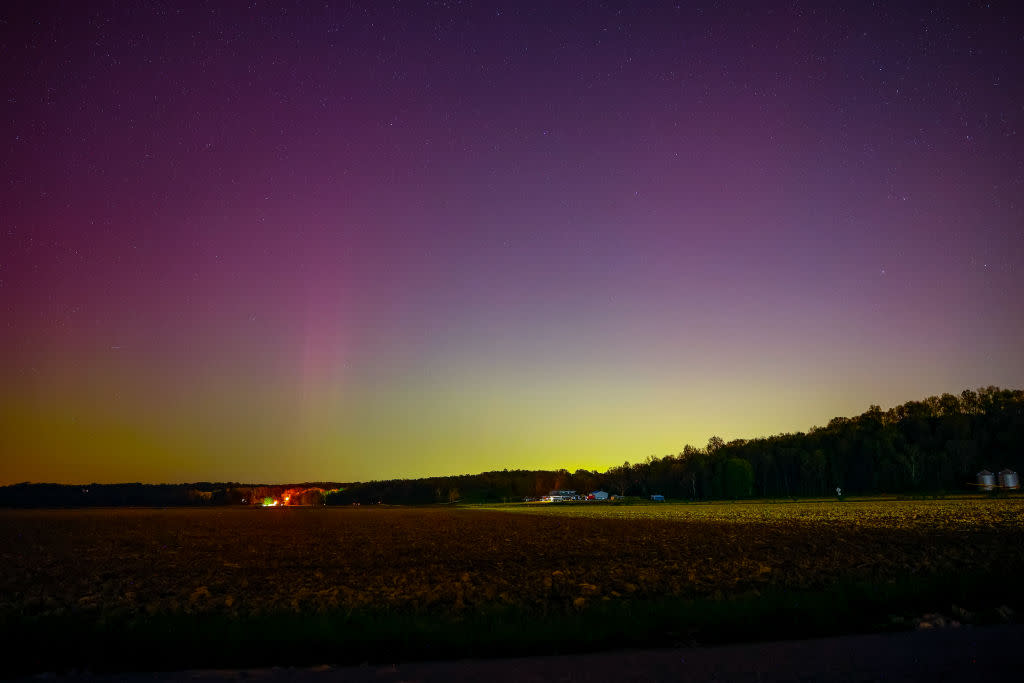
[(934, 445), (152, 495)]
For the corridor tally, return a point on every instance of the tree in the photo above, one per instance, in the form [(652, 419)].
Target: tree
[(620, 478), (738, 478)]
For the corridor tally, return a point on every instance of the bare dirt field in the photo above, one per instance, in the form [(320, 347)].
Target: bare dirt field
[(445, 571)]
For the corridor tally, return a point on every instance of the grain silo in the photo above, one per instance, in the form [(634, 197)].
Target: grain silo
[(986, 480), (1008, 479)]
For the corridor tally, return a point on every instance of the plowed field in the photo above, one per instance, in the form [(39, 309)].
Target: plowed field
[(242, 562)]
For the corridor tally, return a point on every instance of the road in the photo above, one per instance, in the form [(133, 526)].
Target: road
[(994, 653)]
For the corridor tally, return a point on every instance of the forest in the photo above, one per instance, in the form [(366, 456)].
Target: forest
[(935, 445)]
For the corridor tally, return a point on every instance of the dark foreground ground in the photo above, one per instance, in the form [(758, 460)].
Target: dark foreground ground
[(992, 653), (124, 590)]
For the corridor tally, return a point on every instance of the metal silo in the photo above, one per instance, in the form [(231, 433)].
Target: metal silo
[(1008, 479), (986, 480)]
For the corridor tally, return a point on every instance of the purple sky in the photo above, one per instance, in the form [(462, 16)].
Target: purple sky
[(280, 242)]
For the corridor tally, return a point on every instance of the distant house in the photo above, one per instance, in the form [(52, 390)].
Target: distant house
[(598, 495), (558, 496), (658, 498)]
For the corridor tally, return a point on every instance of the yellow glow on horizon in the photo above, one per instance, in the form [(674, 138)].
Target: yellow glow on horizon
[(102, 427)]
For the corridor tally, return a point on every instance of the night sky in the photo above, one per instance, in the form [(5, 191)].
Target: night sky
[(317, 241)]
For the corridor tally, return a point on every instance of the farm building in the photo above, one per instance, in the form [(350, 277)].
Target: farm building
[(1008, 479), (986, 480), (558, 496), (658, 498), (598, 495)]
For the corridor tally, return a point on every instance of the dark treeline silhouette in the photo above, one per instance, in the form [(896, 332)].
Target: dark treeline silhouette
[(164, 495), (504, 485), (938, 444)]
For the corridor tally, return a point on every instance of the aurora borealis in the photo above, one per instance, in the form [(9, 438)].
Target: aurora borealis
[(316, 241)]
